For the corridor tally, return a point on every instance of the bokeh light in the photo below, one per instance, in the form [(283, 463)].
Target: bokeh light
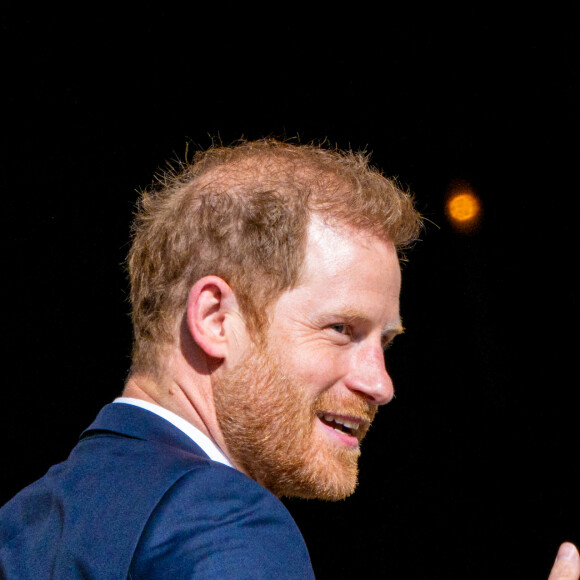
[(463, 207)]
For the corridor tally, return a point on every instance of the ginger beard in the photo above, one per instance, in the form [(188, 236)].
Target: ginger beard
[(269, 424)]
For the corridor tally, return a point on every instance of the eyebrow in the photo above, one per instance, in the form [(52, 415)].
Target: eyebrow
[(394, 328), (391, 330)]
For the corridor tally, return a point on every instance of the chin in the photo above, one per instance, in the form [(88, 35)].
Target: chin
[(332, 489), (326, 474)]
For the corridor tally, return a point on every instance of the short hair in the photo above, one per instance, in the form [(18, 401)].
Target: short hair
[(242, 213)]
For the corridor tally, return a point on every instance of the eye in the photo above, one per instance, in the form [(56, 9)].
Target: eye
[(341, 329), (387, 342)]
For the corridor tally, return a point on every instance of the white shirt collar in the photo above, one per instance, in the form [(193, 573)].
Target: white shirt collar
[(208, 446)]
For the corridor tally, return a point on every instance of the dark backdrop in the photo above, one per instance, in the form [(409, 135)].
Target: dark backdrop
[(473, 471)]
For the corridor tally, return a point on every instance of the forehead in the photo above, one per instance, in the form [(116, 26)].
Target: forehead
[(340, 252), (346, 269)]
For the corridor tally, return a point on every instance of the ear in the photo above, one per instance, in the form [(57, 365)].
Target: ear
[(212, 314)]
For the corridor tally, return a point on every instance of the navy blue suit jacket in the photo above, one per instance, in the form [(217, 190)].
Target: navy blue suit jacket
[(137, 498)]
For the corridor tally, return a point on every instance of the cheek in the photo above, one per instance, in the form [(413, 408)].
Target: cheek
[(320, 370)]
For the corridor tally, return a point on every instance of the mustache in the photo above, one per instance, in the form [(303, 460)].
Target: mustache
[(348, 406)]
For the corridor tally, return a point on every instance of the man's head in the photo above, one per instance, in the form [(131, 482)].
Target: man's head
[(303, 243), (242, 213)]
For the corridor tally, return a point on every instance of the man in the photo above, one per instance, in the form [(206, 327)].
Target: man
[(264, 285)]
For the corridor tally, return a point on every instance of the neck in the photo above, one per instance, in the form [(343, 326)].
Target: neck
[(185, 393)]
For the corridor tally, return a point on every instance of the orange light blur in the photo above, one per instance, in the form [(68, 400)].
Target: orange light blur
[(463, 208)]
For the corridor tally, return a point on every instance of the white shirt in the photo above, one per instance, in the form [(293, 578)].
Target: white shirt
[(209, 447)]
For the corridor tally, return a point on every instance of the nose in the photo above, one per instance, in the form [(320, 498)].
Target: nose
[(369, 376)]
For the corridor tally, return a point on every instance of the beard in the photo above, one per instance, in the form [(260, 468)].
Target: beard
[(269, 423)]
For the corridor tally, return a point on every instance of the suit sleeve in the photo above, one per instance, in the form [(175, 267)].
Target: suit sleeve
[(217, 523)]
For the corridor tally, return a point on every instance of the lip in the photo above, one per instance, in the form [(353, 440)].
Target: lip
[(340, 436)]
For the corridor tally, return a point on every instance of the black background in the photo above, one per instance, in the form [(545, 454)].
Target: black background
[(473, 471)]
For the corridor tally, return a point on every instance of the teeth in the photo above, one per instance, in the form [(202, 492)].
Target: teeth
[(349, 424)]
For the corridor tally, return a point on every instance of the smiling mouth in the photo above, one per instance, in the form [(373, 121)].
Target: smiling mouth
[(347, 426)]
